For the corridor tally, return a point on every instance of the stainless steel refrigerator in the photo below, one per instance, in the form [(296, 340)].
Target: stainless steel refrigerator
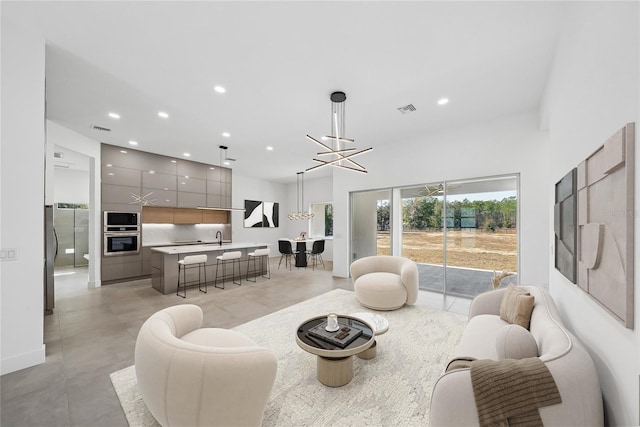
[(50, 252)]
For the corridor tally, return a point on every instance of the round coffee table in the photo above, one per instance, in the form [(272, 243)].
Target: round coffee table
[(380, 325), (335, 364)]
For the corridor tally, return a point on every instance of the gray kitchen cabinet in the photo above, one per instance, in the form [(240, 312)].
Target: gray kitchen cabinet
[(121, 176), (215, 187), (121, 267), (192, 169), (214, 173), (146, 260), (191, 185), (120, 194), (191, 200), (161, 197), (122, 157), (214, 201), (225, 175), (159, 164), (160, 181)]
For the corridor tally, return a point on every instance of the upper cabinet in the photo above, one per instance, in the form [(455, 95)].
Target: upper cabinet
[(130, 176)]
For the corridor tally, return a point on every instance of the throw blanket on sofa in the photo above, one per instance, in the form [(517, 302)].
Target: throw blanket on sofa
[(509, 392)]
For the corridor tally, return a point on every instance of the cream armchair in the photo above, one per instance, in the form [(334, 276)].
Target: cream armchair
[(192, 376), (385, 282)]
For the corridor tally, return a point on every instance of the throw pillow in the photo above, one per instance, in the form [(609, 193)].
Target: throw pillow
[(515, 342), (516, 306)]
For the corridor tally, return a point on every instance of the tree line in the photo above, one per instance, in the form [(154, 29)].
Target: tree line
[(424, 213)]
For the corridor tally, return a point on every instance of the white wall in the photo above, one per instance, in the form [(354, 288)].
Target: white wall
[(70, 186), (246, 188), (511, 144), (64, 137), (22, 198), (592, 92)]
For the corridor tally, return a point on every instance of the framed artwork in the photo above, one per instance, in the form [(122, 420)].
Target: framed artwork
[(252, 213), (605, 186), (564, 225), (258, 214)]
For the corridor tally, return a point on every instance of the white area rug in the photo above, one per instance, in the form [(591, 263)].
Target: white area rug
[(392, 389)]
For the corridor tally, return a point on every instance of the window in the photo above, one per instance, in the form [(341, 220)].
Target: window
[(321, 225), (458, 232)]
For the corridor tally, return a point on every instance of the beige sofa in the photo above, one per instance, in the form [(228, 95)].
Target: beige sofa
[(192, 376), (452, 401), (385, 282)]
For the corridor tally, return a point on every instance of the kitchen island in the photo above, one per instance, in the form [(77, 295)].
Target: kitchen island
[(164, 263)]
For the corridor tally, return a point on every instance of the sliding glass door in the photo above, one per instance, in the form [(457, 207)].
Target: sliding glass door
[(482, 233), (458, 232), (371, 221), (422, 232)]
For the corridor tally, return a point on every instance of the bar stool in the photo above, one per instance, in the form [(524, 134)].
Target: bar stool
[(192, 261), (263, 254), (225, 258)]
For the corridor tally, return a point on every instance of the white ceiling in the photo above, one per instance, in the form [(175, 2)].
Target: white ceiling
[(279, 62)]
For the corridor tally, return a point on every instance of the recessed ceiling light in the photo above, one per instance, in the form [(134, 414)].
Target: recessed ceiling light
[(167, 200), (186, 177), (133, 142), (163, 114), (212, 168), (123, 151), (174, 161), (152, 172), (269, 148), (110, 173), (226, 134), (443, 101), (324, 138), (166, 189), (219, 89), (108, 165), (186, 154), (183, 183), (114, 115), (226, 162)]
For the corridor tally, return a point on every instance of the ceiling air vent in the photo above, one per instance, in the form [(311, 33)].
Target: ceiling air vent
[(58, 154), (407, 109), (100, 128)]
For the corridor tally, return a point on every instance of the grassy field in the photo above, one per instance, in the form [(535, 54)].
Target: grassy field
[(472, 248)]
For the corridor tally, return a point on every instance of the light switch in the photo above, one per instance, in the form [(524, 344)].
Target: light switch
[(9, 254)]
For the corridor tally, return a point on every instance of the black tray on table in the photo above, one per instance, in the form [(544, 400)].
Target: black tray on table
[(342, 337)]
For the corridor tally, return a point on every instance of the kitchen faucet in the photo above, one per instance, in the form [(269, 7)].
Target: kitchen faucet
[(219, 237)]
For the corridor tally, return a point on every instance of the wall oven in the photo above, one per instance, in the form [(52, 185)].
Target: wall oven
[(121, 233), (121, 243)]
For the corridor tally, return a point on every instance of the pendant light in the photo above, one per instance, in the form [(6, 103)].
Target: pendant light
[(300, 213), (340, 155)]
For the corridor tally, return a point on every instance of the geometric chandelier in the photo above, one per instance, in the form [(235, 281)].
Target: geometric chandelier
[(337, 151), (300, 212)]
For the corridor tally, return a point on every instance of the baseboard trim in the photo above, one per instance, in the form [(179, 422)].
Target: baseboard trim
[(23, 361)]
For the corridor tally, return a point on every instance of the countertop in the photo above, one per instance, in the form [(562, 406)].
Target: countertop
[(209, 247)]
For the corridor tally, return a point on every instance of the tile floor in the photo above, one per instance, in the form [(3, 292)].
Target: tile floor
[(93, 331)]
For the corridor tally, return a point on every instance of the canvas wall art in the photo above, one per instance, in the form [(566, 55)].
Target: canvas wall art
[(605, 185), (564, 225), (259, 214)]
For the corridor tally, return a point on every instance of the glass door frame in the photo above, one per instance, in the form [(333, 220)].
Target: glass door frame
[(395, 211)]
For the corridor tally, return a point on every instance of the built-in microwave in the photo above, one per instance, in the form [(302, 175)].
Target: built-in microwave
[(121, 221), (121, 243)]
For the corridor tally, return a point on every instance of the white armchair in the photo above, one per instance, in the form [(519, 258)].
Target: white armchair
[(385, 282), (195, 376)]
